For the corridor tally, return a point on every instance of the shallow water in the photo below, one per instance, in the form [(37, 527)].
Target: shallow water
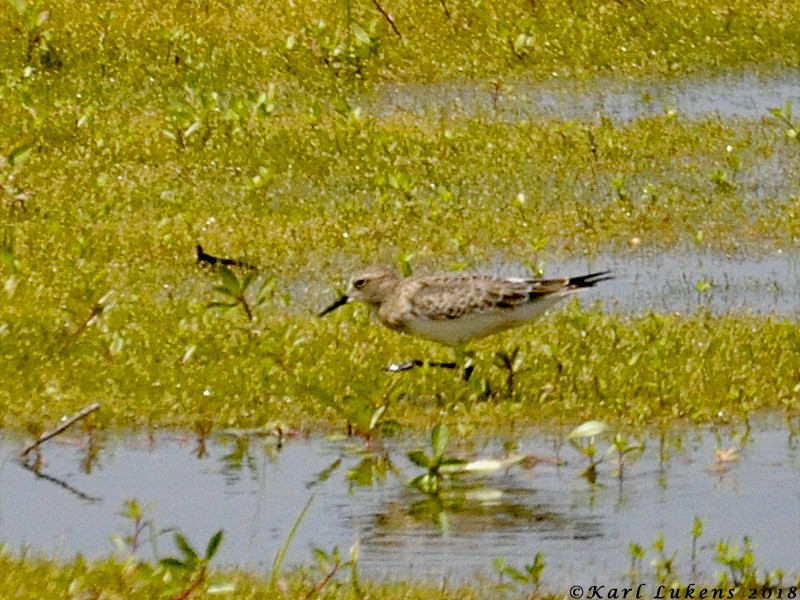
[(735, 95), (671, 282), (255, 494)]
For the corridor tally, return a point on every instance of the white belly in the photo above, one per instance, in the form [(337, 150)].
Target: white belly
[(478, 325)]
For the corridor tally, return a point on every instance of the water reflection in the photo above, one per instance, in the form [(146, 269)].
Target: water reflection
[(254, 489)]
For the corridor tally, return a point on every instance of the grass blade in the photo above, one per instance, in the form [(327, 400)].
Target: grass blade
[(281, 554)]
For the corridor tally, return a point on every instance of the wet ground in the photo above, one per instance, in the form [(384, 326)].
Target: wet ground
[(254, 491)]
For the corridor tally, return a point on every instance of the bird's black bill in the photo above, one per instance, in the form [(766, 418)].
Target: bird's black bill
[(340, 302)]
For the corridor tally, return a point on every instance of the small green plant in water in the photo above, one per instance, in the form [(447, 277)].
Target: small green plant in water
[(440, 467), (637, 556), (437, 464), (530, 575), (663, 564), (784, 115), (697, 532), (625, 451), (136, 514), (741, 564), (192, 569), (582, 439)]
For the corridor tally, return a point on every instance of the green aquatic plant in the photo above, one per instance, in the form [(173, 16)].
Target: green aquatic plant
[(372, 468), (437, 464), (637, 556), (344, 54), (625, 451), (742, 571), (440, 466), (142, 524), (582, 438), (190, 571), (298, 168), (530, 575), (363, 416), (784, 116), (697, 532), (663, 563), (33, 577)]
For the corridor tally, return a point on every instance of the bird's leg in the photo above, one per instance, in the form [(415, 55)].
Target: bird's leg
[(510, 361), (410, 364), (464, 358), (463, 361)]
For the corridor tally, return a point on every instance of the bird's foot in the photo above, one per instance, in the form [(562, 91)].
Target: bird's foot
[(410, 364)]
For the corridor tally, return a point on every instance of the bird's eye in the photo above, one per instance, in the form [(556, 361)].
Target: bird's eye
[(359, 283)]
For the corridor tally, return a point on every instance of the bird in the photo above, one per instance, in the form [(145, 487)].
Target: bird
[(454, 308)]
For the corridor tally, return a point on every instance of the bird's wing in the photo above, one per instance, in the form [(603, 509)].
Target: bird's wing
[(452, 296)]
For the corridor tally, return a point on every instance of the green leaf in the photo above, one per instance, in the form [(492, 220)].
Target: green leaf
[(247, 280), (376, 416), (213, 545), (117, 342), (440, 437), (230, 284), (280, 555), (425, 483), (172, 563), (19, 5), (322, 558), (361, 36), (515, 574), (419, 458), (19, 154), (363, 473), (185, 547), (223, 305)]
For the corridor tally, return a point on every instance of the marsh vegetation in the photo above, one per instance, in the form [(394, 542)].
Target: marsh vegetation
[(131, 133)]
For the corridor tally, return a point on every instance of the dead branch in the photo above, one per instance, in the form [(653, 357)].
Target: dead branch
[(61, 428)]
